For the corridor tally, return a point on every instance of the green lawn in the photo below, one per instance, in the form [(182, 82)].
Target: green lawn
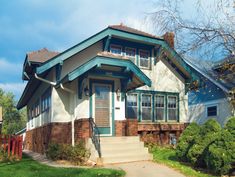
[(30, 168), (167, 156)]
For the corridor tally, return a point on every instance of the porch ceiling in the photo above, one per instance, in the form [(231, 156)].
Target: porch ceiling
[(103, 66)]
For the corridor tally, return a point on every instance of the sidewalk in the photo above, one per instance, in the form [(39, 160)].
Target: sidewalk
[(43, 160), (133, 169), (145, 169)]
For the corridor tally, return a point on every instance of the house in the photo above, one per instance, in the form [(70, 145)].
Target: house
[(119, 82), (216, 98)]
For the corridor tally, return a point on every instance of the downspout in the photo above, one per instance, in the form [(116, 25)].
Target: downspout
[(72, 116), (44, 80)]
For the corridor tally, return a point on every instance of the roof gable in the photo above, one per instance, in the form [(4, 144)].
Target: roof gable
[(40, 56)]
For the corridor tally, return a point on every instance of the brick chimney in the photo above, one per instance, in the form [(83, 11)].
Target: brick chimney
[(169, 38)]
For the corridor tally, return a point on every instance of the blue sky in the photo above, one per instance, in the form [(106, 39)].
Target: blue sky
[(28, 25)]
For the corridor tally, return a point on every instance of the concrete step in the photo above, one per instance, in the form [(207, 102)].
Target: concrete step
[(127, 152), (123, 148), (130, 158), (119, 139)]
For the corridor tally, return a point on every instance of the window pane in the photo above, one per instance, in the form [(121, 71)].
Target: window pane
[(116, 50), (212, 111), (144, 59), (160, 108), (172, 108), (130, 52), (132, 106), (146, 107)]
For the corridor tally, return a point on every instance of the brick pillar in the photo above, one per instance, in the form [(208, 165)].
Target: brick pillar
[(131, 127)]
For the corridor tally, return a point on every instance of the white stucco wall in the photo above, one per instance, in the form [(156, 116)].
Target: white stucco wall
[(198, 112), (80, 58), (165, 78), (82, 105), (37, 121)]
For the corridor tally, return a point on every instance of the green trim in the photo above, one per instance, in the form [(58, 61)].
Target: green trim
[(107, 61), (153, 108), (153, 94), (139, 107), (73, 50), (110, 82), (114, 32), (104, 130)]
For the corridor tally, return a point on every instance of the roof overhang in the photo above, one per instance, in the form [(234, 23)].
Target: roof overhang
[(172, 54), (93, 39), (105, 67)]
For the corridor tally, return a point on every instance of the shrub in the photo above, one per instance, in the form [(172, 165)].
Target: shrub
[(208, 133), (3, 155), (230, 126), (53, 151), (187, 139), (221, 153), (77, 154)]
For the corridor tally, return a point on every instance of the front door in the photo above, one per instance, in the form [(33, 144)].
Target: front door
[(102, 108)]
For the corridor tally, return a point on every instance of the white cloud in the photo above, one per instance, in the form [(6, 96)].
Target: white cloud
[(6, 66), (15, 88)]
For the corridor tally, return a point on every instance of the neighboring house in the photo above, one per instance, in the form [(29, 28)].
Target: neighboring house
[(127, 81), (216, 98)]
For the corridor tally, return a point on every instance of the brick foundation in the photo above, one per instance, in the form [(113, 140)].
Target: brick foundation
[(127, 127), (160, 132), (37, 139), (81, 129)]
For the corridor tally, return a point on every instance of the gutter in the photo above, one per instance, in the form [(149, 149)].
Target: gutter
[(44, 80)]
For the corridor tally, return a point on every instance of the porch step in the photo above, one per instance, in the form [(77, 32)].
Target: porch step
[(121, 149)]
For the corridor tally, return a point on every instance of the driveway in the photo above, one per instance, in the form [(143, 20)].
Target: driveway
[(145, 169)]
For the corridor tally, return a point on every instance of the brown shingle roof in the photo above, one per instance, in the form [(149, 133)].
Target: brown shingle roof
[(41, 56), (122, 27)]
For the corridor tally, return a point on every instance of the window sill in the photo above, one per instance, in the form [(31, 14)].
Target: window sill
[(144, 68)]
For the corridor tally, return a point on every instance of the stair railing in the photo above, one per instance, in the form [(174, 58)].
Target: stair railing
[(95, 136)]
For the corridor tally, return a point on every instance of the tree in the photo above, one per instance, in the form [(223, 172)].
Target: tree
[(205, 31), (13, 120)]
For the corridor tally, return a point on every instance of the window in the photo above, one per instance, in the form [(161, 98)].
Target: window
[(172, 108), (130, 53), (212, 111), (160, 107), (131, 106), (32, 116), (146, 107), (37, 109), (144, 59), (46, 106), (46, 101), (115, 49)]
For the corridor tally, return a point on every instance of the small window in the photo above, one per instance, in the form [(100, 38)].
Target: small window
[(37, 109), (144, 59), (131, 106), (172, 108), (146, 107), (212, 111), (130, 53), (160, 108), (115, 49)]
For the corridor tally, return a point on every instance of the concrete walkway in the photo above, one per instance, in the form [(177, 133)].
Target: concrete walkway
[(43, 160), (145, 169), (133, 169)]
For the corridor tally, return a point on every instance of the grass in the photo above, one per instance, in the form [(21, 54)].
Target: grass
[(167, 156), (27, 167)]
